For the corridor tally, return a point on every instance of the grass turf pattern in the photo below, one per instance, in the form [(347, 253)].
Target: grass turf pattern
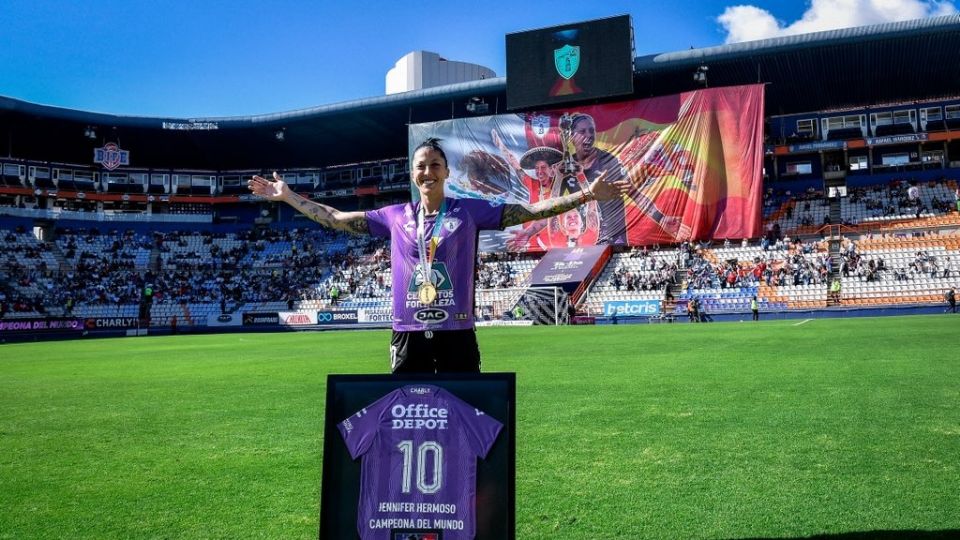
[(727, 430)]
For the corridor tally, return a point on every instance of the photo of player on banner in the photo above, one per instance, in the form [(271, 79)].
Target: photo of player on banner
[(693, 160)]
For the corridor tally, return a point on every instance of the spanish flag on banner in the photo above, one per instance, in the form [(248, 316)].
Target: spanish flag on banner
[(694, 161)]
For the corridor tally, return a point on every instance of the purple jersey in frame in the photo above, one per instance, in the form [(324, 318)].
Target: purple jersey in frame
[(453, 267), (419, 446)]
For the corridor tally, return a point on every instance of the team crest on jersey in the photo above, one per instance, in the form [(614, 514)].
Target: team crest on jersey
[(440, 278), (540, 124), (451, 224)]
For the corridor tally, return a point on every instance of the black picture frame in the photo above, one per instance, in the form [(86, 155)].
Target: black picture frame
[(493, 393)]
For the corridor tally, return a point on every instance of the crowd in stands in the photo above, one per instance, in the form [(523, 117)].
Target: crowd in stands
[(785, 262), (891, 200), (197, 267), (359, 274), (26, 268), (262, 265), (95, 267), (499, 271), (869, 268), (895, 200), (652, 274)]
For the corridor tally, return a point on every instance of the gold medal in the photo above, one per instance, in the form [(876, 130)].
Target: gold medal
[(427, 293)]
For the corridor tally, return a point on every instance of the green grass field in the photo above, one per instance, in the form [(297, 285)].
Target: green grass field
[(727, 430)]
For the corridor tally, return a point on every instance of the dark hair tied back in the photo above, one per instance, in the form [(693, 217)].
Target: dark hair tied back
[(432, 143)]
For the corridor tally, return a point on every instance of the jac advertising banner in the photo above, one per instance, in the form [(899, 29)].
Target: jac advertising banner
[(694, 162)]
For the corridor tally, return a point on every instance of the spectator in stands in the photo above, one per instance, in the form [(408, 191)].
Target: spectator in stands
[(433, 255), (913, 194), (835, 290), (693, 309), (334, 294)]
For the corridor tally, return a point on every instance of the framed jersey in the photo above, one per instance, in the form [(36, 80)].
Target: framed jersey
[(429, 457)]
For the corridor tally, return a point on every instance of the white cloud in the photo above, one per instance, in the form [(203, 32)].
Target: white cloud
[(747, 23)]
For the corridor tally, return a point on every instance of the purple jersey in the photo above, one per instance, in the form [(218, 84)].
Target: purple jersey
[(420, 446), (453, 267)]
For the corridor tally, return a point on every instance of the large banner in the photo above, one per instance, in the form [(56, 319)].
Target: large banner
[(694, 162)]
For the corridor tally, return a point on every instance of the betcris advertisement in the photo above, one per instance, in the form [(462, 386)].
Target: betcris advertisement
[(631, 308)]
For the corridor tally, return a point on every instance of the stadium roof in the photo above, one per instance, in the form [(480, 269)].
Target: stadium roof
[(895, 62), (851, 67)]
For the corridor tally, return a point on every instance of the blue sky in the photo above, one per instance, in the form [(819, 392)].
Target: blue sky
[(226, 58)]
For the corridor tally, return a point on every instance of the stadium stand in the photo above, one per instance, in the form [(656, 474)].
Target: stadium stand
[(182, 225), (900, 268), (636, 274)]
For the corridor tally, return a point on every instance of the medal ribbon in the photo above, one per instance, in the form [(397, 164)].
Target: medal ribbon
[(427, 253)]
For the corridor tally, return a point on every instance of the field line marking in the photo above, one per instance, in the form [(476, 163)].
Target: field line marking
[(803, 321)]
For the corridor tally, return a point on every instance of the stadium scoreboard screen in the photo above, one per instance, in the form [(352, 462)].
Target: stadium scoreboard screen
[(573, 62)]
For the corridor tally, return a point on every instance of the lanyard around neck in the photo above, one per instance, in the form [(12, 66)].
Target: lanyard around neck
[(428, 253)]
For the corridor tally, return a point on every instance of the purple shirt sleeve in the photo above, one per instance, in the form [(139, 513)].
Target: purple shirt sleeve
[(481, 430), (379, 222), (485, 214), (360, 430)]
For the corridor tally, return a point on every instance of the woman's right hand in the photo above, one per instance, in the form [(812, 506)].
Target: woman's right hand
[(271, 190)]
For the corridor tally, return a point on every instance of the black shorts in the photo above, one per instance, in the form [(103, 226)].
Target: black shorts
[(445, 351)]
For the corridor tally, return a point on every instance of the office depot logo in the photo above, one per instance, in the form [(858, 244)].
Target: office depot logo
[(419, 416)]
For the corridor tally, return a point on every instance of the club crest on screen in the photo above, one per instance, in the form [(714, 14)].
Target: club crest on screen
[(567, 60)]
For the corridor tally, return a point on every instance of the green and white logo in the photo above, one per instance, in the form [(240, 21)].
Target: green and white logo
[(567, 61), (440, 278)]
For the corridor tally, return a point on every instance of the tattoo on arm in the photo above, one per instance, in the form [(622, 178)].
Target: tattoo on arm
[(514, 214), (356, 224), (536, 227), (351, 222)]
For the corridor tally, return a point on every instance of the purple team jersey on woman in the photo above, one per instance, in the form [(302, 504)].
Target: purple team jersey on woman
[(420, 446), (453, 267)]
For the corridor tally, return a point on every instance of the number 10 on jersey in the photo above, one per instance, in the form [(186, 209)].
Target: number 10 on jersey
[(428, 454)]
